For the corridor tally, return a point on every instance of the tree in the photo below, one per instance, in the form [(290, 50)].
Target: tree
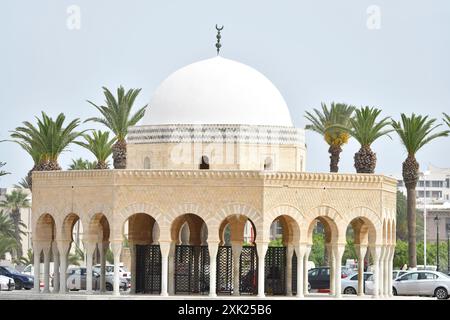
[(81, 164), (77, 257), (402, 221), (28, 259), (15, 201), (3, 173), (46, 141), (116, 116), (100, 146), (7, 228), (333, 125), (7, 244), (414, 132), (23, 183), (365, 129), (447, 119)]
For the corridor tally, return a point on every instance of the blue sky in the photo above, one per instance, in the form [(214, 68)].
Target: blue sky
[(313, 51)]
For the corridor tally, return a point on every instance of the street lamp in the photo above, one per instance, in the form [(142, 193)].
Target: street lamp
[(437, 241)]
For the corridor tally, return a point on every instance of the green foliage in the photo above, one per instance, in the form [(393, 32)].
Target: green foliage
[(278, 242), (318, 249), (365, 128), (77, 257), (46, 141), (416, 131), (109, 256), (81, 164), (3, 173), (116, 112), (447, 119), (401, 254), (23, 183), (7, 244), (99, 145), (7, 228), (332, 124), (402, 220), (15, 200), (28, 259)]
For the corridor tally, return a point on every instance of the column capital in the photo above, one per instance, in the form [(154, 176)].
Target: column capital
[(116, 247)]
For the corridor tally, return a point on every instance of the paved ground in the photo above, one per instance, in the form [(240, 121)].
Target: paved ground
[(29, 295)]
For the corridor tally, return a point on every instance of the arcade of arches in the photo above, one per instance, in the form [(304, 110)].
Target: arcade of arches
[(208, 232)]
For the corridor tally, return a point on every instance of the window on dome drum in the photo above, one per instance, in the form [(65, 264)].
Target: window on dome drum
[(147, 163), (268, 165), (204, 163)]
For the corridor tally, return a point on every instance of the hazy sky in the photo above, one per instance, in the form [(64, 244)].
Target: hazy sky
[(312, 51)]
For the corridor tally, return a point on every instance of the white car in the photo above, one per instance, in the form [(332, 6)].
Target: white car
[(422, 283), (123, 272), (6, 283), (350, 284)]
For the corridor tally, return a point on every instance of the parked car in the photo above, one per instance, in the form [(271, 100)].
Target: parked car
[(6, 283), (350, 284), (123, 272), (21, 280), (76, 280), (423, 283), (319, 278), (398, 273)]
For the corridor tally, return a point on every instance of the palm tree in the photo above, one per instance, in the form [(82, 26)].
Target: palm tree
[(333, 125), (7, 228), (28, 259), (7, 244), (447, 119), (81, 164), (116, 116), (365, 129), (100, 146), (3, 173), (14, 201), (414, 132), (23, 183), (46, 141), (77, 257)]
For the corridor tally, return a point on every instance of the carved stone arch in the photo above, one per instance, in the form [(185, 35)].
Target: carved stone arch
[(44, 229), (371, 218), (140, 207), (290, 211), (331, 216)]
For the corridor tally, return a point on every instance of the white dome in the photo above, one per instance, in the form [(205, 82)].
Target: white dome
[(217, 91)]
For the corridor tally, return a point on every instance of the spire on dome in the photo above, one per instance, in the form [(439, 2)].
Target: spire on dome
[(218, 45)]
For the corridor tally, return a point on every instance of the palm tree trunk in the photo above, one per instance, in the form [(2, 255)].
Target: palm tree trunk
[(101, 165), (365, 160), (120, 154), (334, 152), (411, 213), (15, 216), (410, 177)]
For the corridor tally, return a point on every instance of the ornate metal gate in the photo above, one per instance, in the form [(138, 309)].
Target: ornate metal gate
[(224, 270), (248, 270), (148, 269), (275, 271), (191, 269), (294, 273)]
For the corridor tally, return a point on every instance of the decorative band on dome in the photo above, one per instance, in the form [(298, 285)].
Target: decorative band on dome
[(185, 133)]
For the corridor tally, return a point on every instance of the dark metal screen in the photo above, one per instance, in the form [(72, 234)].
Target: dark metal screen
[(148, 269), (248, 270), (224, 270), (275, 271), (294, 273), (191, 269)]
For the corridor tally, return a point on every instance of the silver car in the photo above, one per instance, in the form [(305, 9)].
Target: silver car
[(76, 280), (422, 283)]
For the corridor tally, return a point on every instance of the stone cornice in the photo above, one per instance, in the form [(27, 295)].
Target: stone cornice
[(189, 174)]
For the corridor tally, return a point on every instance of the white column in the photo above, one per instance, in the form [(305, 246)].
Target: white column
[(213, 248), (338, 252), (171, 268), (262, 249), (103, 247), (165, 250), (63, 248), (46, 249), (381, 271), (361, 253), (37, 265), (90, 248), (332, 265), (133, 266), (55, 268), (305, 270), (390, 269), (386, 271), (289, 253), (116, 248), (236, 249), (300, 252), (375, 251)]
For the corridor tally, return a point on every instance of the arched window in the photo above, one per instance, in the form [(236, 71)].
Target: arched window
[(268, 164), (204, 163), (147, 163)]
